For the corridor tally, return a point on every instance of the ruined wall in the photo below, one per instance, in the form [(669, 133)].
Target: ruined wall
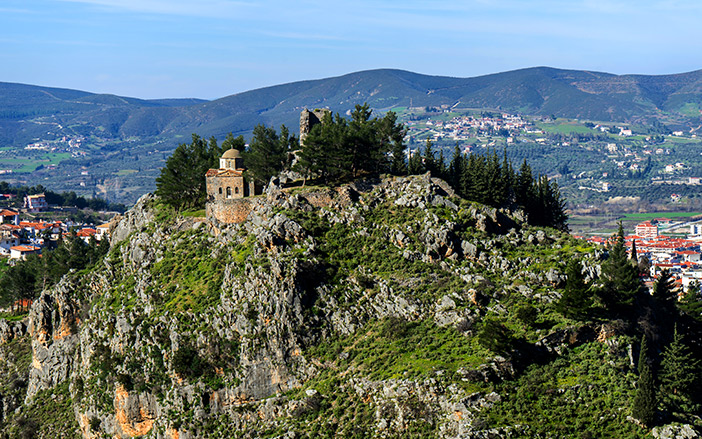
[(230, 211), (308, 119)]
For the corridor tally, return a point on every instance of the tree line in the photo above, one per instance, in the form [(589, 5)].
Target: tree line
[(494, 182), (66, 199), (339, 150), (27, 278)]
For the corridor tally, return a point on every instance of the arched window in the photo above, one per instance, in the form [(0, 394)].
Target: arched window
[(220, 191), (236, 190), (229, 192)]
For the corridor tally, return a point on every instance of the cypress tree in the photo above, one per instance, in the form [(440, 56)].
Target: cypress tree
[(494, 190), (679, 376), (634, 255), (576, 299), (441, 169), (416, 163), (524, 187), (644, 403), (429, 158), (507, 178), (455, 169)]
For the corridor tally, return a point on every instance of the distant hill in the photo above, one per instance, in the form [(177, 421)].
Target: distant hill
[(114, 146), (541, 90)]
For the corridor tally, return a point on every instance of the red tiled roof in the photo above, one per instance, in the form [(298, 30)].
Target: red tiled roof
[(7, 212), (25, 248)]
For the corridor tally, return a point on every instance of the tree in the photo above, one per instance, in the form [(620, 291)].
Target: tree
[(416, 164), (17, 283), (394, 133), (679, 375), (430, 162), (524, 190), (496, 336), (664, 286), (338, 149), (324, 152), (181, 183), (621, 281), (576, 299), (233, 142), (268, 151), (690, 303), (455, 168), (644, 403), (634, 255)]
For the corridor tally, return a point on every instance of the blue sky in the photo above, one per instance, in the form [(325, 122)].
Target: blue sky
[(213, 48)]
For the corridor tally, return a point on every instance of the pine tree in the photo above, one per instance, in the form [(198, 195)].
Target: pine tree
[(644, 403), (679, 376), (664, 286), (576, 299), (181, 183), (268, 152), (429, 158), (621, 281), (338, 149), (230, 142), (690, 303), (325, 152), (361, 140)]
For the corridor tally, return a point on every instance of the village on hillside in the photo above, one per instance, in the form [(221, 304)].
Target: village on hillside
[(662, 244), (20, 236)]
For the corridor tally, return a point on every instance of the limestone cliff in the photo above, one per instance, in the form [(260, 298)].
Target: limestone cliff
[(348, 312)]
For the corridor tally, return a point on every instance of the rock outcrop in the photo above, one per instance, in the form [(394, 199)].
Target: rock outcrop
[(190, 329)]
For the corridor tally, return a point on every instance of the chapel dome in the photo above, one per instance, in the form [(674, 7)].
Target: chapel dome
[(232, 153)]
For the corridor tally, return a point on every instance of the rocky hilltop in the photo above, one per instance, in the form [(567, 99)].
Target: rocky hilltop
[(358, 311)]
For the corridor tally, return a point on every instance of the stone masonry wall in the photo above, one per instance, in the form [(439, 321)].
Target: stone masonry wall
[(214, 184), (231, 211), (308, 119)]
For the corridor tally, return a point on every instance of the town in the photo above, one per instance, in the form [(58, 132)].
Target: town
[(20, 238), (586, 158), (662, 244)]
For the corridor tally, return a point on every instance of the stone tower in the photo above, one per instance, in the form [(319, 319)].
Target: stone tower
[(308, 119)]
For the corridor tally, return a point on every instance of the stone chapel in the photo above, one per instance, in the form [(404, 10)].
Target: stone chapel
[(227, 185)]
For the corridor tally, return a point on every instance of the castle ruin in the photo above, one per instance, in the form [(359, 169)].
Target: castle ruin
[(309, 119)]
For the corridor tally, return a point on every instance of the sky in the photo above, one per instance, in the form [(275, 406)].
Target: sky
[(214, 48)]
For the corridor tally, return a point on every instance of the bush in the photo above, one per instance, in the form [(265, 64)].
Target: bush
[(495, 336), (187, 362)]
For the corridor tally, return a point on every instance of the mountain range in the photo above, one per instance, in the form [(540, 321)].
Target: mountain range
[(32, 112)]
